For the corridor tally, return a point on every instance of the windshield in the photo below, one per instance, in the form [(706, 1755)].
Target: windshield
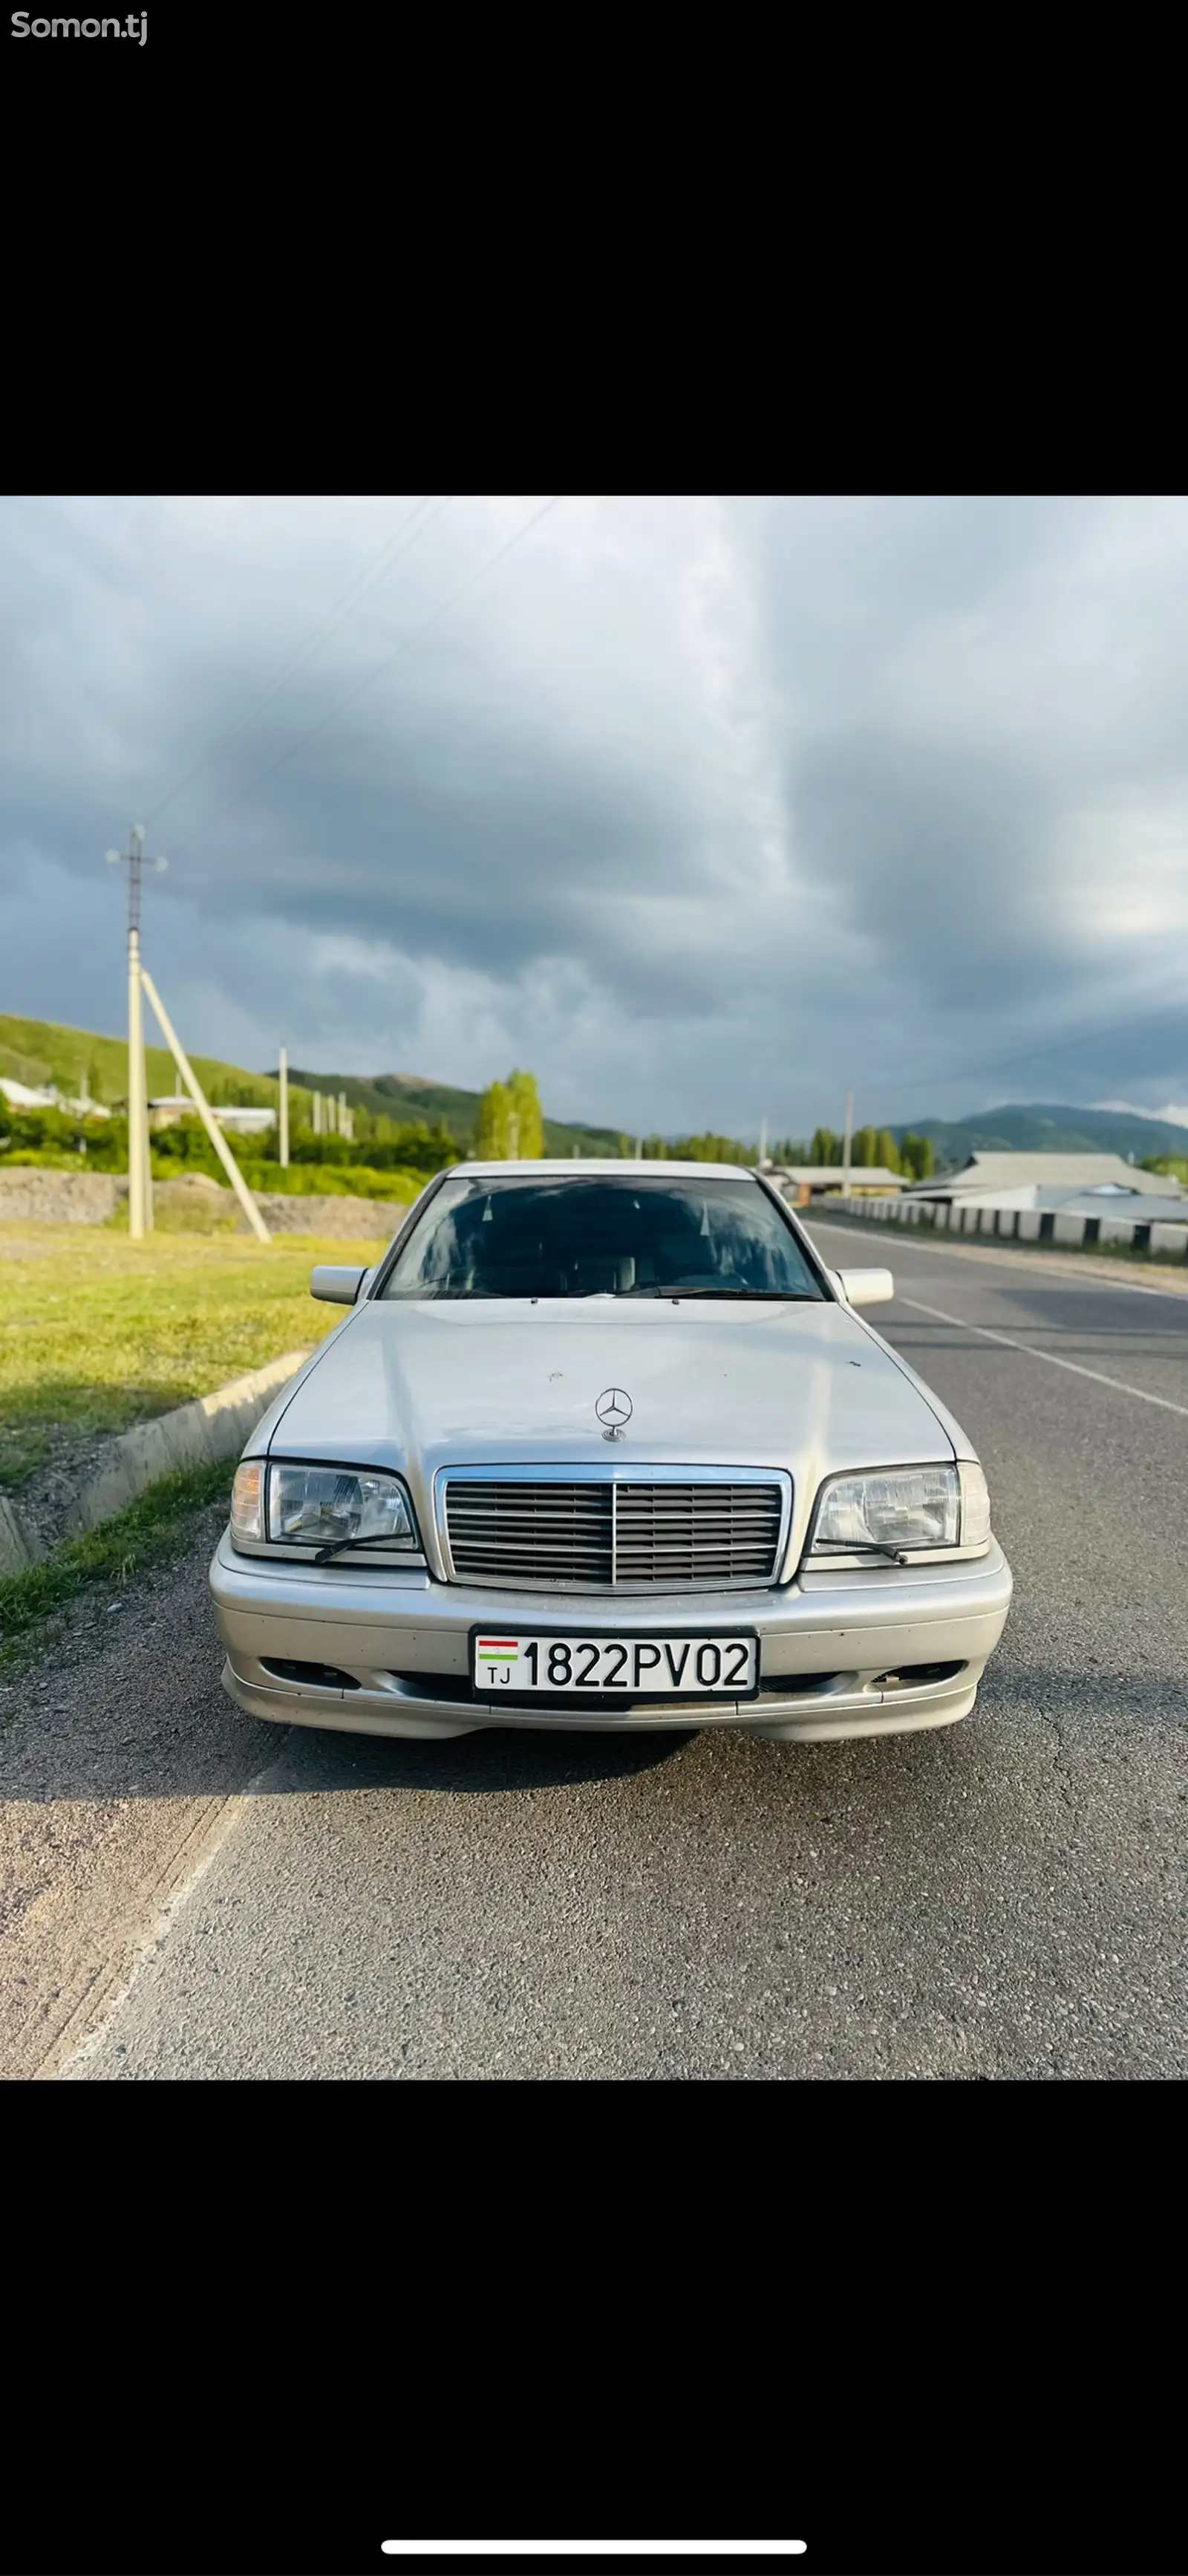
[(550, 1237)]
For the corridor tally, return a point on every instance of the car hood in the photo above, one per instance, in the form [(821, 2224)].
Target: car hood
[(806, 1387)]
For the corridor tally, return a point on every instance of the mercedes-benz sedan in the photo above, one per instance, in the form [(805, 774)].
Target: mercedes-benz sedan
[(606, 1444)]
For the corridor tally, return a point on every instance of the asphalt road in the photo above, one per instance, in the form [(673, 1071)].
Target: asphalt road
[(1003, 1899)]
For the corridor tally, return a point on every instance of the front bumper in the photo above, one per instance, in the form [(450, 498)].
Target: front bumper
[(836, 1651)]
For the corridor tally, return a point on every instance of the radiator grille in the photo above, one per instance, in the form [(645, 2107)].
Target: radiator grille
[(599, 1535)]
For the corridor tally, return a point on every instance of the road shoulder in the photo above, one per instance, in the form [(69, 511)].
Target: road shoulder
[(119, 1753)]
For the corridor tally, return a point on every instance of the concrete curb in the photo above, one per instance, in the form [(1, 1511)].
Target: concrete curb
[(16, 1545), (193, 1435)]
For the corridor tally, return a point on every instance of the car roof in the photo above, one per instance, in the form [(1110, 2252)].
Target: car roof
[(587, 1168)]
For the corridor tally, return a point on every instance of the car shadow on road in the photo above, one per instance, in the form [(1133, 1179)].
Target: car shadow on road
[(205, 1747), (493, 1761)]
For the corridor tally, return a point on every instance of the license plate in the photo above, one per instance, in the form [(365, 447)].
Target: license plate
[(552, 1662)]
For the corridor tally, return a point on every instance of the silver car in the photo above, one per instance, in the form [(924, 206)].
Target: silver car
[(604, 1444)]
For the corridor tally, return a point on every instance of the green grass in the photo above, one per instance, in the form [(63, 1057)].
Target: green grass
[(317, 1180), (154, 1528), (98, 1332)]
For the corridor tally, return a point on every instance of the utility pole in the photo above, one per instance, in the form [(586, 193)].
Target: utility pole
[(283, 1112), (848, 1143), (344, 1117), (140, 1186), (201, 1104), (762, 1142)]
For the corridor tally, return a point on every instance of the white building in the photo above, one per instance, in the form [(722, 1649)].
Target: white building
[(1075, 1199), (19, 1096), (1044, 1181), (802, 1182), (174, 1105)]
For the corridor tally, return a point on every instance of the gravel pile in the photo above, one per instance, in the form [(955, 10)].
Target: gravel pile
[(60, 1198), (92, 1198)]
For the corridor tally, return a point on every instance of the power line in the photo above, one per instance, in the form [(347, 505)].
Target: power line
[(386, 664), (1039, 1054), (372, 572)]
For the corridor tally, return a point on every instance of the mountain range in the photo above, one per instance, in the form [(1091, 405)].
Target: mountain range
[(41, 1052), (1044, 1127)]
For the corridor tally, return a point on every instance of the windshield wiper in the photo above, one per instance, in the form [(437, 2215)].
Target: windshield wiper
[(753, 1296), (337, 1545), (861, 1547)]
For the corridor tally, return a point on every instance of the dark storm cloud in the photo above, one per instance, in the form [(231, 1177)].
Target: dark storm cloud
[(707, 809)]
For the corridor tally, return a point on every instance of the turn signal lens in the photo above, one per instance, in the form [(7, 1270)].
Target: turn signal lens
[(247, 1500), (975, 1505)]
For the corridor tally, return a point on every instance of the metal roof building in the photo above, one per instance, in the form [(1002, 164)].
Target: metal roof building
[(817, 1178), (1016, 1180), (173, 1106)]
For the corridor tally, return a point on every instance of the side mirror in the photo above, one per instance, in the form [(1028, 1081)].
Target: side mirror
[(335, 1283), (866, 1287)]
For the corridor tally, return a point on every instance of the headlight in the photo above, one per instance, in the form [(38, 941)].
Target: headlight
[(320, 1506), (902, 1507)]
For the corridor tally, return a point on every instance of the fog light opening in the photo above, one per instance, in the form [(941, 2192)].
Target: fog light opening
[(312, 1676), (916, 1676)]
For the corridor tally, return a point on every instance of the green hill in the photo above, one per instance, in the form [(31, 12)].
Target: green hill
[(1044, 1128), (40, 1052), (410, 1096)]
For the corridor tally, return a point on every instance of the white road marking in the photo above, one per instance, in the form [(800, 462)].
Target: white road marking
[(152, 1939), (593, 2548), (1078, 1370)]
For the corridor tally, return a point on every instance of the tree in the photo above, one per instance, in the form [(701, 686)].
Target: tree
[(917, 1157), (491, 1135), (527, 1139), (708, 1149), (864, 1148), (824, 1147), (510, 1126), (887, 1151)]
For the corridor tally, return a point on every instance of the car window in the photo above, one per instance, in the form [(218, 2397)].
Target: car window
[(554, 1237)]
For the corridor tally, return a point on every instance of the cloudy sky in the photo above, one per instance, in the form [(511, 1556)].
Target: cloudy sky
[(702, 809)]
